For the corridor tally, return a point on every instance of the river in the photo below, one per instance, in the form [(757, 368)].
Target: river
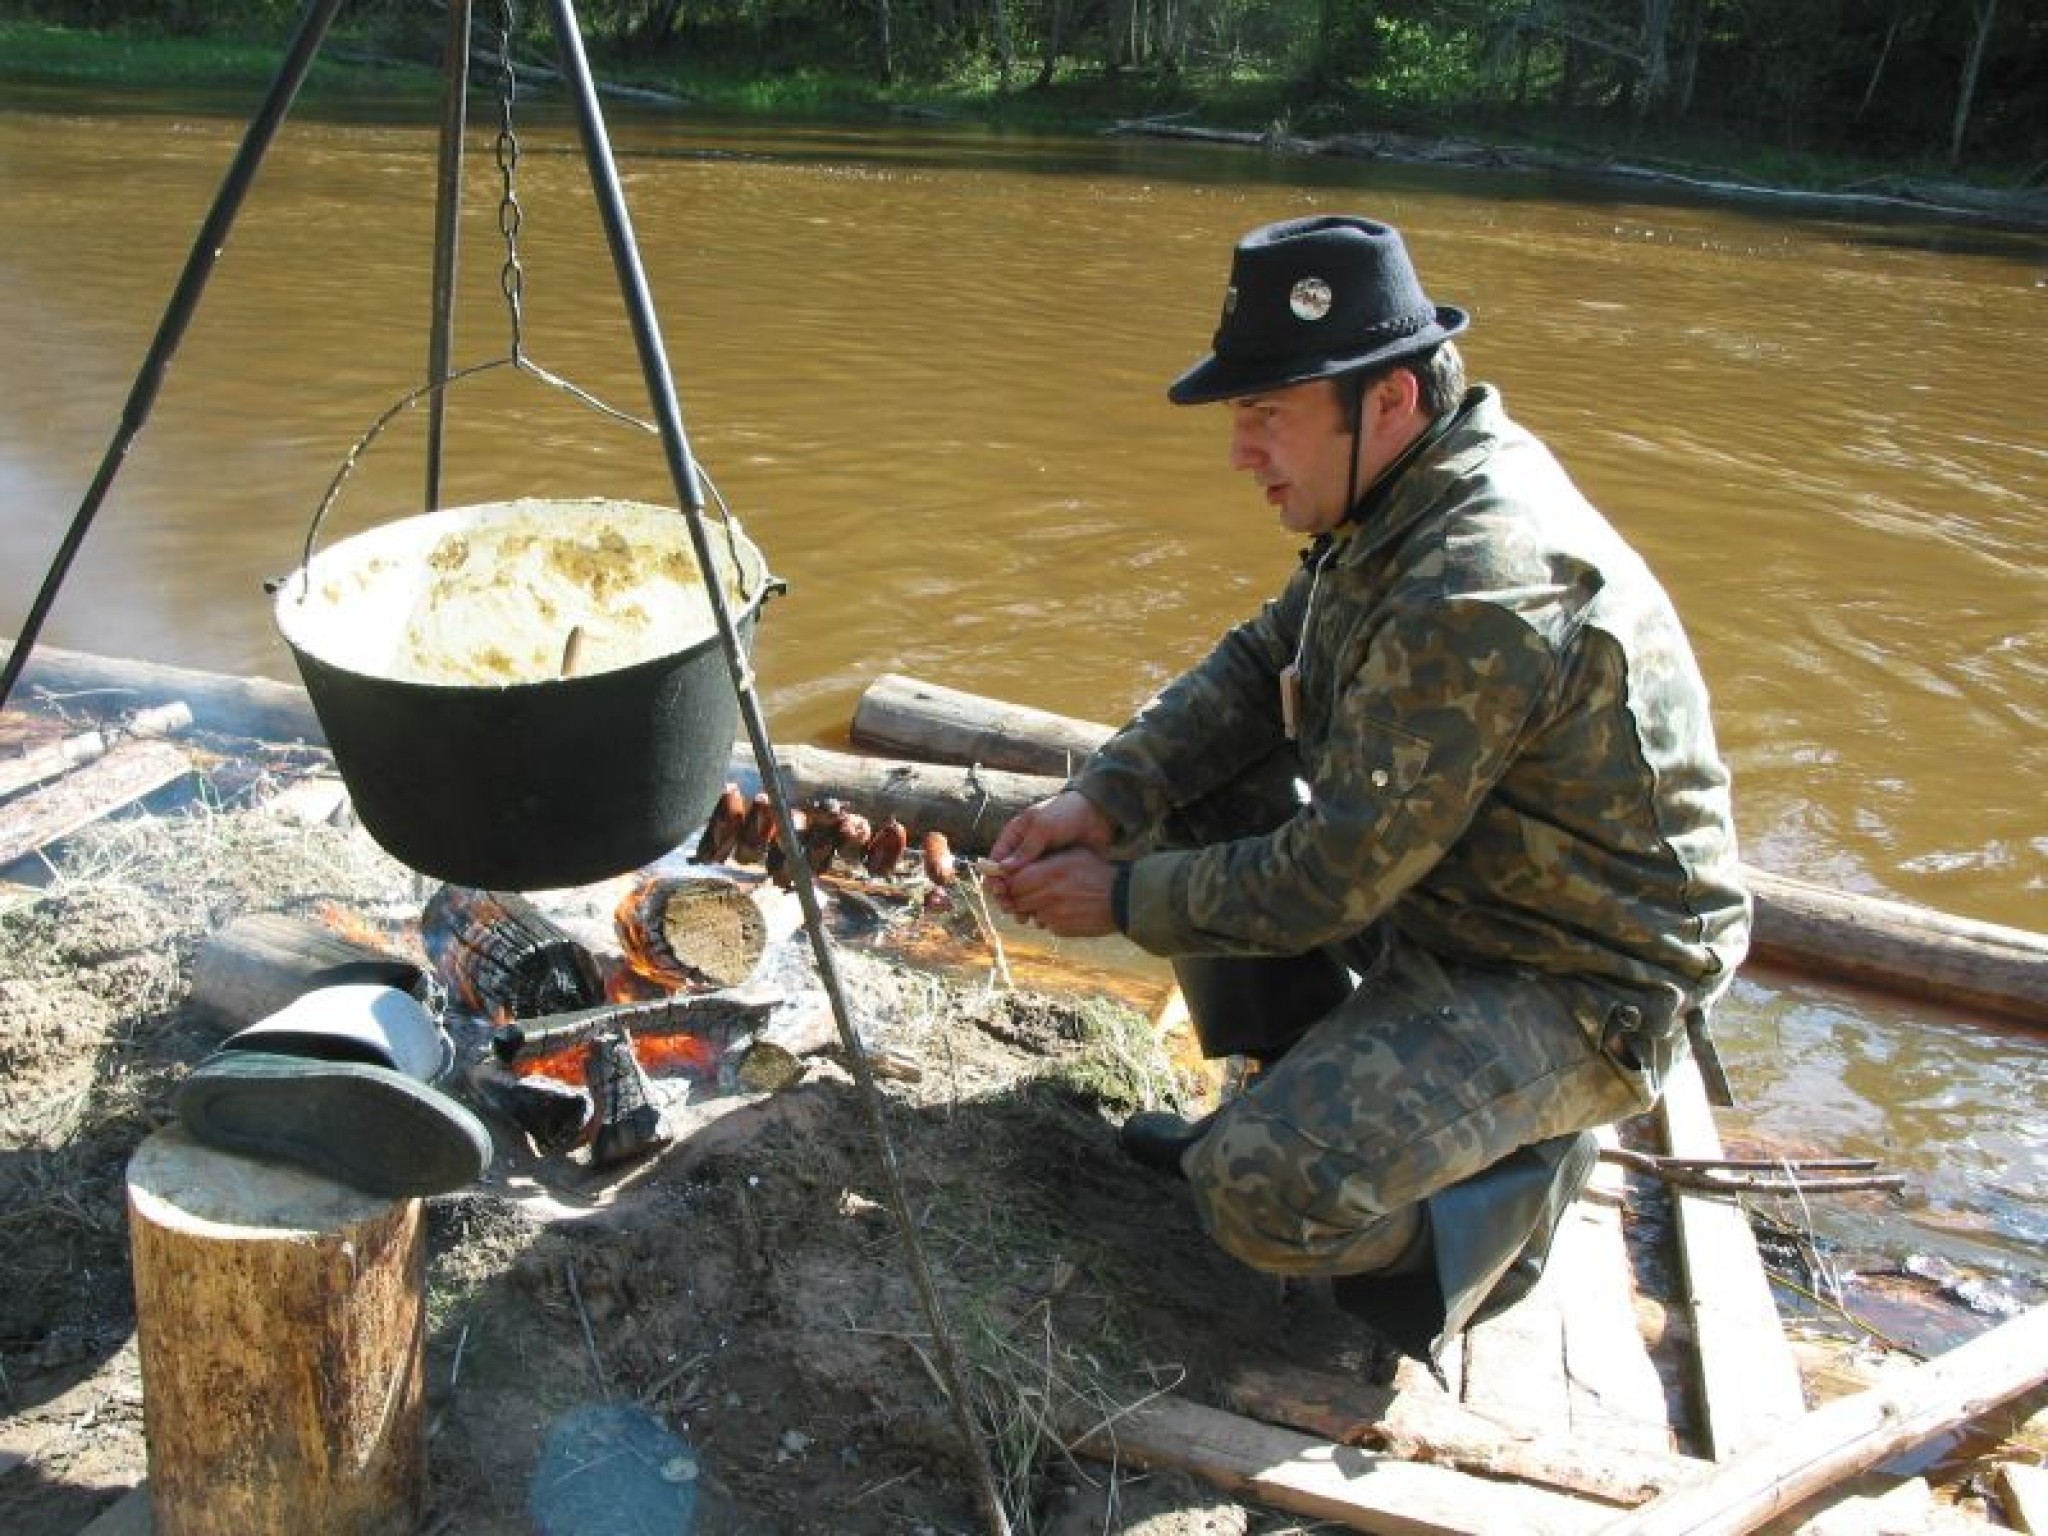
[(925, 366)]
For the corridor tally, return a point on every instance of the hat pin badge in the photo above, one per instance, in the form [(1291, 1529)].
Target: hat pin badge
[(1310, 299)]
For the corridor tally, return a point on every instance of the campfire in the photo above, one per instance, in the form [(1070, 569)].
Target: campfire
[(584, 1023)]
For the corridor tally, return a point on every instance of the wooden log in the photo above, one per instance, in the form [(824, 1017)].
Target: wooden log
[(1901, 947), (262, 961), (969, 805), (1357, 1489), (900, 716), (280, 1321), (60, 757), (1852, 1434), (130, 773), (233, 706)]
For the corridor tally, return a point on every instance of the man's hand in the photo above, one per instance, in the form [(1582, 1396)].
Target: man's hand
[(1065, 820), (1065, 893), (1052, 872)]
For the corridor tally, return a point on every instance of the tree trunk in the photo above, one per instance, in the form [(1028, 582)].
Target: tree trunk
[(1891, 34), (1986, 13), (885, 36), (1006, 49), (281, 1324), (1055, 30)]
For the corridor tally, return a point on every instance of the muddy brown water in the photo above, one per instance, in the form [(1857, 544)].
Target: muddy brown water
[(925, 367)]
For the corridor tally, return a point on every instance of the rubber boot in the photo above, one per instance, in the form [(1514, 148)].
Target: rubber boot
[(341, 1083), (1489, 1238)]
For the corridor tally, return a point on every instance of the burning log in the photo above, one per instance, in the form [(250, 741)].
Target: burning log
[(722, 828), (716, 1020), (499, 957), (628, 1120), (549, 1112), (691, 931)]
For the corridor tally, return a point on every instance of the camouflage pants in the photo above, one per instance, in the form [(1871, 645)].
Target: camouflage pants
[(1422, 1075)]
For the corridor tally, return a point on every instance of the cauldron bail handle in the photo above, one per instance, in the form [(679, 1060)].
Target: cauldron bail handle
[(518, 361)]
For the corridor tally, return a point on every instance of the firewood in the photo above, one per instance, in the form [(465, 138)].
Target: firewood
[(261, 962)]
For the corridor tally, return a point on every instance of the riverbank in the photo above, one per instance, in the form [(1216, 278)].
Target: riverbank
[(1253, 115)]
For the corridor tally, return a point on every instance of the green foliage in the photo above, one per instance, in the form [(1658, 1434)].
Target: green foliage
[(1862, 79)]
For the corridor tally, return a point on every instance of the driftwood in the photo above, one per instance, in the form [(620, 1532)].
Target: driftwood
[(1903, 948), (1853, 1434)]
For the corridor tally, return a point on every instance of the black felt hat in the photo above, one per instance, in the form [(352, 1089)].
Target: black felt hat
[(1312, 298)]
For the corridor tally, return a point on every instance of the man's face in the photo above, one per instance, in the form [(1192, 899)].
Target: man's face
[(1296, 443)]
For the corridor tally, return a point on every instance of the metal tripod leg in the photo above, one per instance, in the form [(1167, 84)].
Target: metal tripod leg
[(199, 265), (604, 180)]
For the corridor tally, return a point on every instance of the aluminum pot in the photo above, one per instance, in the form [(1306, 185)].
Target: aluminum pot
[(528, 694)]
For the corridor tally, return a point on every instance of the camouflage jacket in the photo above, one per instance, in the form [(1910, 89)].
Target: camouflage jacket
[(1503, 735)]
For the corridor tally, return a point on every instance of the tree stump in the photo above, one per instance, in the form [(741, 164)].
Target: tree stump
[(281, 1322)]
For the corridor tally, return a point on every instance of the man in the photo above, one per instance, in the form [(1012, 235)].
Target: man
[(1439, 840)]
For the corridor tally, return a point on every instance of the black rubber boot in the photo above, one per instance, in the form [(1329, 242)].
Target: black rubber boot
[(341, 1083), (1157, 1138)]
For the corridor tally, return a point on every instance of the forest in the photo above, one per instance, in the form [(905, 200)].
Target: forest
[(1955, 84)]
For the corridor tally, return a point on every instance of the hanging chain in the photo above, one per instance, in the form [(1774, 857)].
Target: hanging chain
[(511, 276)]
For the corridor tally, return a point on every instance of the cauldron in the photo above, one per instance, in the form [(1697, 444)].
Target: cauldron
[(526, 694)]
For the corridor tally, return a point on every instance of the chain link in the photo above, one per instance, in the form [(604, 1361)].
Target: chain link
[(511, 276)]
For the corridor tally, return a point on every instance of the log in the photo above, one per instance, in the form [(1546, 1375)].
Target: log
[(60, 757), (1853, 1434), (261, 962), (232, 706), (969, 805), (1896, 946), (280, 1322)]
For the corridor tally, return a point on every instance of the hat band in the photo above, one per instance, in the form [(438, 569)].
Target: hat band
[(1401, 325)]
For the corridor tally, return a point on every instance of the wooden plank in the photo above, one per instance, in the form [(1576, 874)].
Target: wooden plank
[(1568, 1359), (1748, 1380), (133, 771), (1420, 1422), (1358, 1489), (1852, 1434), (2025, 1492)]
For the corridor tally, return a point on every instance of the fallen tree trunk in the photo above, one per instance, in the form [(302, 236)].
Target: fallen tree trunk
[(1893, 945), (236, 706), (1852, 1434)]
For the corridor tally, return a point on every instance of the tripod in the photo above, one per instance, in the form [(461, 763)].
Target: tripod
[(313, 27)]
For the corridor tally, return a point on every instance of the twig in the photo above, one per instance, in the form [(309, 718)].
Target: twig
[(589, 1338), (1754, 1177), (455, 1369)]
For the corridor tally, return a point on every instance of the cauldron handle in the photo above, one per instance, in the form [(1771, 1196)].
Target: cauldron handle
[(523, 364)]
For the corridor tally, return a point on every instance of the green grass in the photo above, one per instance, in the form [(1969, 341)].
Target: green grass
[(36, 53)]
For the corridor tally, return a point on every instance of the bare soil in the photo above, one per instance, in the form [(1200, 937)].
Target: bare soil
[(748, 1287)]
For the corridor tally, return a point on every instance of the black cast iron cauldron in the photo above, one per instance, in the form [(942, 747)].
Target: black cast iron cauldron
[(528, 694)]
